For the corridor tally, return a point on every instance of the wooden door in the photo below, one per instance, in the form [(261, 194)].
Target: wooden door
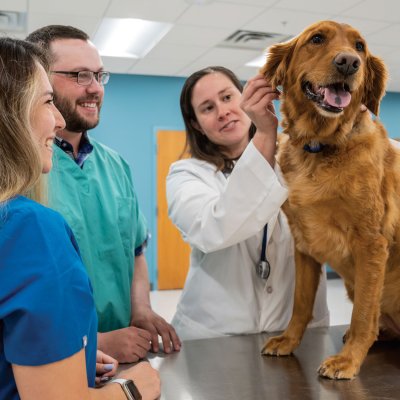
[(173, 253)]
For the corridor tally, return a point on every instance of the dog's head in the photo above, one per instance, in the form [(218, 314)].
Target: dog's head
[(330, 66)]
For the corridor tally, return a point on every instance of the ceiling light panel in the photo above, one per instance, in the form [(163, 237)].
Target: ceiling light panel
[(129, 37)]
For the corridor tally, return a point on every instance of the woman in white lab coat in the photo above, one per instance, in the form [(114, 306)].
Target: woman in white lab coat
[(226, 200)]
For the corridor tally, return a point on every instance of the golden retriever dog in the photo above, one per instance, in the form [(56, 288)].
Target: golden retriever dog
[(343, 176)]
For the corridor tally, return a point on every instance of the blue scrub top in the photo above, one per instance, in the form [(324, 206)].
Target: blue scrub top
[(47, 312)]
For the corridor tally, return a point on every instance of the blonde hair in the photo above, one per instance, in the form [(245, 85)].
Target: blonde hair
[(21, 165), (39, 190)]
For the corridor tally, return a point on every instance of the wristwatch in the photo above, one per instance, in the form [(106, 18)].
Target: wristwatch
[(129, 388)]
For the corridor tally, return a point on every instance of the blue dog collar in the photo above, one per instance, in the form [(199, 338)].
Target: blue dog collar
[(314, 147)]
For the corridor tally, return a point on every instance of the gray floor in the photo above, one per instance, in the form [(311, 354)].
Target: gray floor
[(164, 302)]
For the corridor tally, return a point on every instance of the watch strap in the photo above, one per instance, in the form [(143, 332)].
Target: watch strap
[(129, 388)]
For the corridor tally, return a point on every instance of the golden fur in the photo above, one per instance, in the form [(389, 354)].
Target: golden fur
[(344, 201)]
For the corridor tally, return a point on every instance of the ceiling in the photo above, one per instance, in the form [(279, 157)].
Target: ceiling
[(201, 26)]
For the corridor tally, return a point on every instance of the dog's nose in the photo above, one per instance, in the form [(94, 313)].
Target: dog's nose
[(347, 64)]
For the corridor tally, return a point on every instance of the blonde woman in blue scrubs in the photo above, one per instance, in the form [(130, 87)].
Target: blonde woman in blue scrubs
[(226, 202), (48, 321)]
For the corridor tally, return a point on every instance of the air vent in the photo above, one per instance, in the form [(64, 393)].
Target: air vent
[(12, 21), (253, 40)]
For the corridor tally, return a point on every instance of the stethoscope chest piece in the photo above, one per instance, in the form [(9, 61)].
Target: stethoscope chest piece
[(263, 269)]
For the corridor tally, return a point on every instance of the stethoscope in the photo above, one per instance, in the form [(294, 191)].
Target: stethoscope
[(263, 268)]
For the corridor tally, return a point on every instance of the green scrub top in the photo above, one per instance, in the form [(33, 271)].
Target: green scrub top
[(100, 204)]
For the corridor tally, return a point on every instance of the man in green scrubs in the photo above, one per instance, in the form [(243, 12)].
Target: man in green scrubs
[(91, 186)]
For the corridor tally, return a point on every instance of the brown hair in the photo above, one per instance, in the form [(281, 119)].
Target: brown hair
[(197, 144), (47, 34), (21, 164)]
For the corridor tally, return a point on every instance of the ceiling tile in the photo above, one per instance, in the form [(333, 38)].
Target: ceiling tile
[(393, 84), (316, 6), (382, 50), (165, 67), (392, 60), (221, 55), (180, 52), (230, 58), (14, 5), (155, 10), (89, 8), (278, 20), (118, 64), (385, 36), (386, 10), (87, 24), (196, 35), (264, 3), (245, 73), (363, 26), (217, 14)]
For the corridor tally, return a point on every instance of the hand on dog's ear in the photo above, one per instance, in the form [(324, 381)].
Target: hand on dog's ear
[(375, 83), (277, 62)]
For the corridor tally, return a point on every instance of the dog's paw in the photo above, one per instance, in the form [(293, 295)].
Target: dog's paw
[(338, 367), (279, 346)]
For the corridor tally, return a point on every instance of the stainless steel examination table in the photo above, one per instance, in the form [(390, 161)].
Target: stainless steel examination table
[(232, 368)]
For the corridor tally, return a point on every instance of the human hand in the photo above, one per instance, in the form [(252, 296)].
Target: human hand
[(127, 345), (146, 318), (146, 379), (106, 367), (256, 102)]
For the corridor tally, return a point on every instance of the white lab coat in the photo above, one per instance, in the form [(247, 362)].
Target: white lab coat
[(223, 220)]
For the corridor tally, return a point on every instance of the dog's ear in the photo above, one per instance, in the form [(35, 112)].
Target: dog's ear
[(277, 63), (375, 83)]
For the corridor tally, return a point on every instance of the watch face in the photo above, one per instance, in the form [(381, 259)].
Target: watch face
[(133, 390)]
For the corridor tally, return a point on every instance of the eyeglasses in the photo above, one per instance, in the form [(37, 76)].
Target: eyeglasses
[(85, 78)]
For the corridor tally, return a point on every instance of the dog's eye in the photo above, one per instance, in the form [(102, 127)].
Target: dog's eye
[(317, 39), (360, 46)]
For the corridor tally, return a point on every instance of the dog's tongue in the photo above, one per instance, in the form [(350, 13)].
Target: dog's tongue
[(336, 97)]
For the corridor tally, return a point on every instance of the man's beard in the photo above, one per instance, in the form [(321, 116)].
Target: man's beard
[(73, 121)]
